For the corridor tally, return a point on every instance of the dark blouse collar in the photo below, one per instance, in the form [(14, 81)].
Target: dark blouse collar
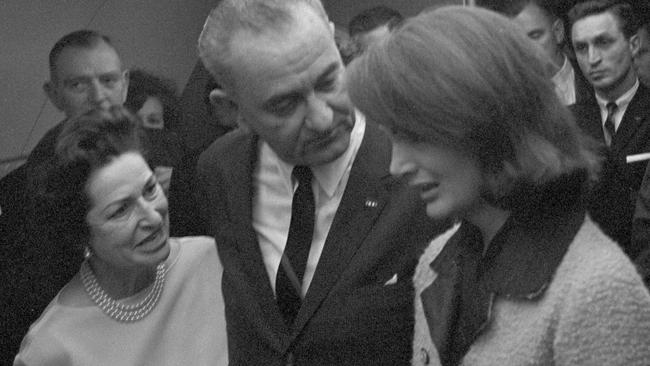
[(520, 262), (524, 254)]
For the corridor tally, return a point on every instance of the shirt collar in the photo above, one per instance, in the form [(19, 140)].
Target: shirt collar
[(328, 176), (565, 74), (622, 101)]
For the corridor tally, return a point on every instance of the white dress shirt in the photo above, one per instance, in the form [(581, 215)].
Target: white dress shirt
[(621, 103), (565, 83), (273, 189)]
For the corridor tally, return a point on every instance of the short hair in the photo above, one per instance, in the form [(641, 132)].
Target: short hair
[(230, 17), (628, 21), (59, 201), (83, 38), (143, 84), (372, 18), (464, 78)]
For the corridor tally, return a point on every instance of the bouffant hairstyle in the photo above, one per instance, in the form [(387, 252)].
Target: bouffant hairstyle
[(59, 201), (466, 79)]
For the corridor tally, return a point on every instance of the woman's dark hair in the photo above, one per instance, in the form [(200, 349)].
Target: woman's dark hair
[(466, 78), (59, 203), (143, 84)]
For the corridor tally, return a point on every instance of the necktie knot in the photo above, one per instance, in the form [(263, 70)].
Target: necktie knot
[(610, 126), (611, 108), (303, 174)]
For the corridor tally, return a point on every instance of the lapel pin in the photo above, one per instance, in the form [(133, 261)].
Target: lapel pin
[(371, 203)]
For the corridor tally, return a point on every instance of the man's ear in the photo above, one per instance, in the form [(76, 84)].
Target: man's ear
[(52, 94), (125, 86), (219, 97), (558, 31), (332, 27), (635, 44)]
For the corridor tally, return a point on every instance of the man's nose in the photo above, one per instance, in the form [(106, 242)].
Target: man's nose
[(319, 114), (593, 55), (98, 95)]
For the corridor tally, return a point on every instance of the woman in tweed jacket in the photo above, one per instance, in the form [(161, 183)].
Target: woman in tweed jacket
[(525, 277)]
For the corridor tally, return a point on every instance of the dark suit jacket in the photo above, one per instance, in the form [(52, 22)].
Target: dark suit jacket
[(349, 315), (612, 201), (31, 270)]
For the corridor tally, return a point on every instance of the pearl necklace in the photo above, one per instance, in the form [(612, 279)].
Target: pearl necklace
[(116, 309)]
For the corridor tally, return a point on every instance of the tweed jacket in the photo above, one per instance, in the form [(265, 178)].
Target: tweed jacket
[(594, 311)]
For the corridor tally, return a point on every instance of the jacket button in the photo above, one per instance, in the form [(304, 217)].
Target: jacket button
[(424, 356)]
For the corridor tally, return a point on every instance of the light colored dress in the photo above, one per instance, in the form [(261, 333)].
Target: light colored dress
[(187, 326)]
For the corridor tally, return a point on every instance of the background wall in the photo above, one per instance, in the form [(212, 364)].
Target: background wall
[(159, 35)]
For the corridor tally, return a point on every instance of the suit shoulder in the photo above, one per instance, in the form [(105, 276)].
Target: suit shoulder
[(222, 148)]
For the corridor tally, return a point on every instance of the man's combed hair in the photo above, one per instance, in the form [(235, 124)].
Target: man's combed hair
[(623, 11), (232, 16), (83, 38), (465, 78)]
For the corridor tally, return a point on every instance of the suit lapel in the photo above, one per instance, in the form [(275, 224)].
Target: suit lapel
[(440, 299), (632, 120), (364, 199), (249, 256)]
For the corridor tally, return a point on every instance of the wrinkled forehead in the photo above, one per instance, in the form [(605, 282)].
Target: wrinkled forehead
[(595, 25), (77, 60), (294, 47)]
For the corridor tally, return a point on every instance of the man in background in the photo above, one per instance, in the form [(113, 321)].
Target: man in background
[(85, 73), (371, 25), (605, 40)]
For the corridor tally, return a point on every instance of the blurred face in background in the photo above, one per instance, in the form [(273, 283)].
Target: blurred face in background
[(544, 30), (87, 78), (152, 113), (364, 40)]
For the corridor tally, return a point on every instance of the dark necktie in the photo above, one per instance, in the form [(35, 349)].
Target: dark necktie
[(294, 259), (609, 121)]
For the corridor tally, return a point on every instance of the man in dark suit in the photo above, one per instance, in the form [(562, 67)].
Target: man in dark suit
[(604, 37), (350, 299)]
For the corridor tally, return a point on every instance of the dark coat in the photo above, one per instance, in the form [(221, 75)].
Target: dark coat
[(612, 201)]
